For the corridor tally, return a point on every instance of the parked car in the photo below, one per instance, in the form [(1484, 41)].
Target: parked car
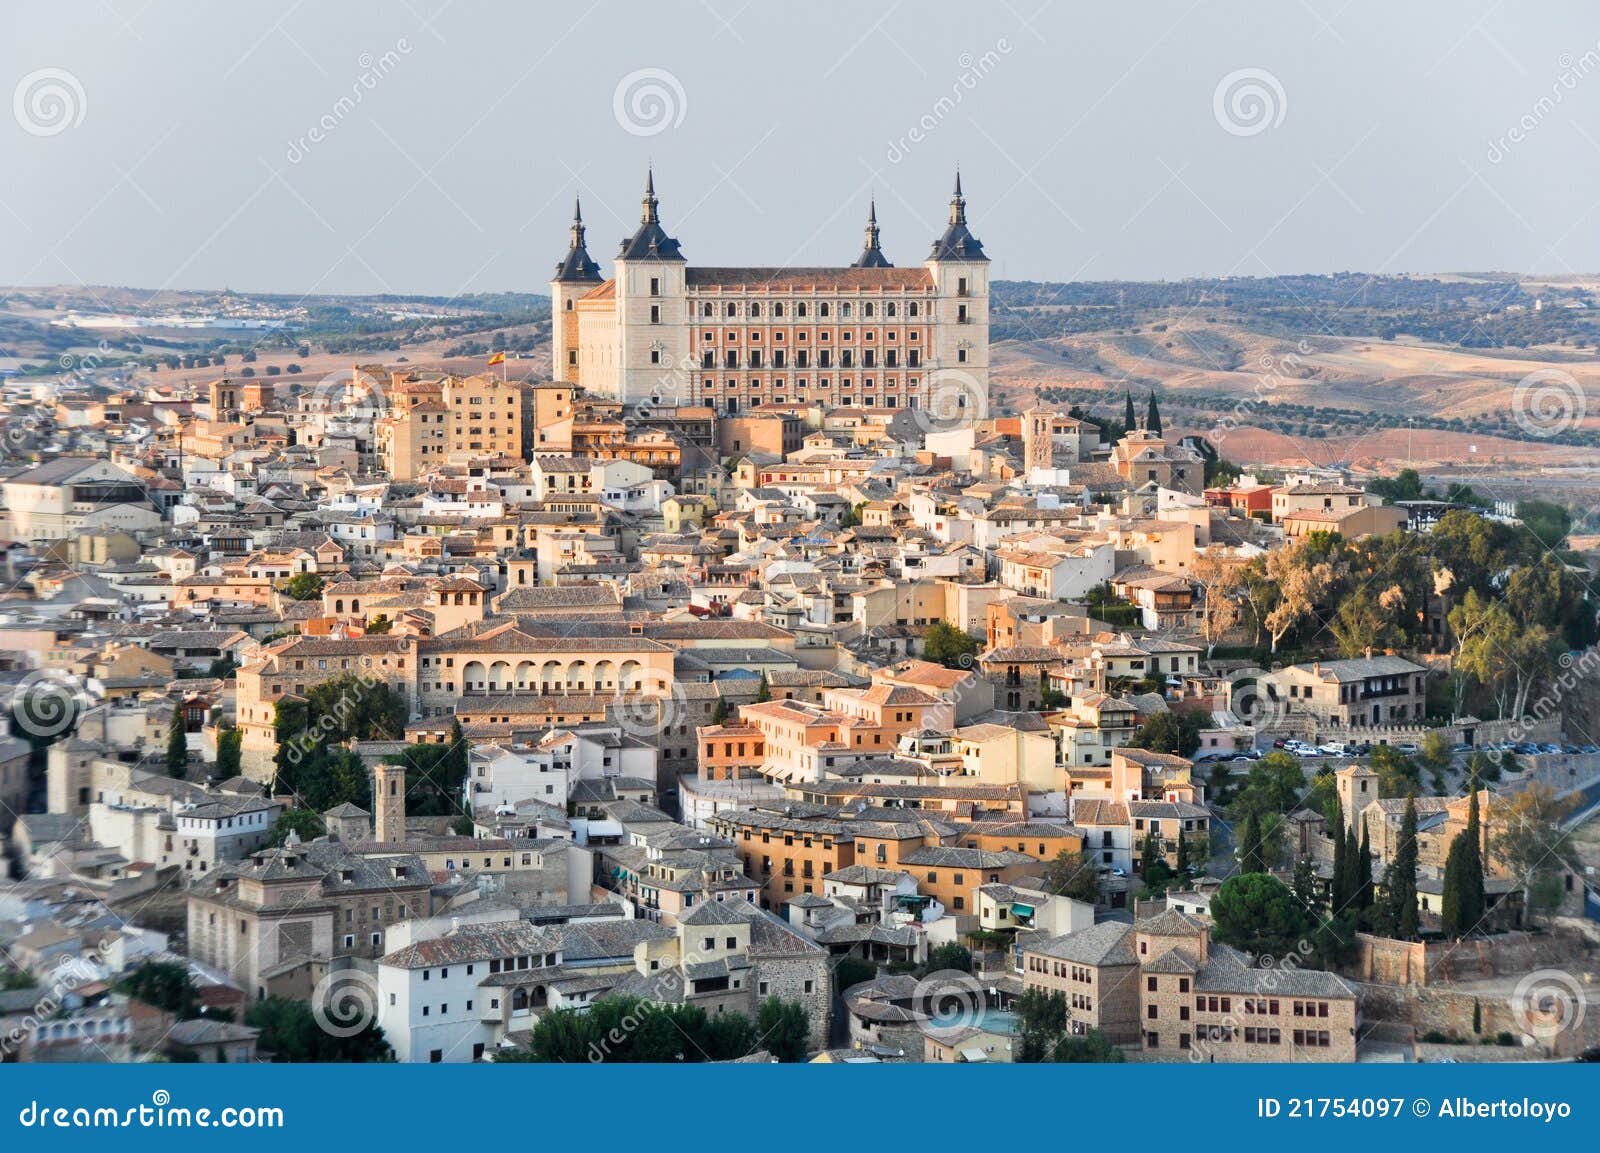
[(1409, 748), (1334, 749)]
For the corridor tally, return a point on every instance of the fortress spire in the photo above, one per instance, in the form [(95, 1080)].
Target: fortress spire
[(871, 254), (577, 265)]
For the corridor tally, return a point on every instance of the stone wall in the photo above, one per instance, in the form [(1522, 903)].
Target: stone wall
[(1391, 962), (1419, 1012)]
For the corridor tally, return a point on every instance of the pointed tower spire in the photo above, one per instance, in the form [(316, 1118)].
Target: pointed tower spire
[(577, 265), (651, 216), (650, 241), (957, 243), (871, 254)]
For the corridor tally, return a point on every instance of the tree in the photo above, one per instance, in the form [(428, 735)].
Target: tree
[(1221, 581), (177, 743), (1398, 913), (1404, 485), (1365, 620), (1462, 905), (1153, 860), (1090, 1048), (1041, 1024), (166, 985), (1169, 732), (763, 690), (1339, 883), (784, 1029), (303, 586), (291, 1033), (1363, 877), (1274, 785), (1152, 416), (1130, 419), (229, 752), (1256, 912), (304, 823), (1077, 877), (1301, 584), (313, 766), (1183, 854), (950, 955), (1507, 657), (1533, 845), (1436, 755), (1398, 775), (721, 714), (1250, 845), (949, 646), (1304, 885)]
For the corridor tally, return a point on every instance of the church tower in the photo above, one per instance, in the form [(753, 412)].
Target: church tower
[(652, 312), (959, 379), (576, 276), (389, 803)]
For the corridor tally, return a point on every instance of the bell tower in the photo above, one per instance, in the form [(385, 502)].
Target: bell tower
[(389, 803)]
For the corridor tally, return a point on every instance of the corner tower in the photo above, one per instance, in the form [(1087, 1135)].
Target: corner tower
[(652, 302), (576, 276), (959, 379)]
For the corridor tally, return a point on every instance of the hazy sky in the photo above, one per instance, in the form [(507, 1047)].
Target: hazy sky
[(431, 146)]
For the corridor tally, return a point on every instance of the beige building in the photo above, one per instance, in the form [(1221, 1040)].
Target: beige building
[(1362, 692), (868, 336), (1162, 984), (450, 420)]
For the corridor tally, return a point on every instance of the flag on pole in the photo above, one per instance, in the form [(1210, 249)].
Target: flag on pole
[(498, 358)]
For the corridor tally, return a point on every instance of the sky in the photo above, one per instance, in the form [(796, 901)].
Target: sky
[(436, 146)]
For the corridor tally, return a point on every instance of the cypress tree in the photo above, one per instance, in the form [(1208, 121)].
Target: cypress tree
[(1364, 871), (1183, 853), (1463, 904), (177, 743), (1337, 892), (1473, 902), (1250, 845), (1128, 417), (1400, 882), (1152, 416), (1305, 883)]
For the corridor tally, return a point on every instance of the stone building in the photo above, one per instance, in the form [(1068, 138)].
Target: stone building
[(869, 336), (265, 920), (1163, 985)]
